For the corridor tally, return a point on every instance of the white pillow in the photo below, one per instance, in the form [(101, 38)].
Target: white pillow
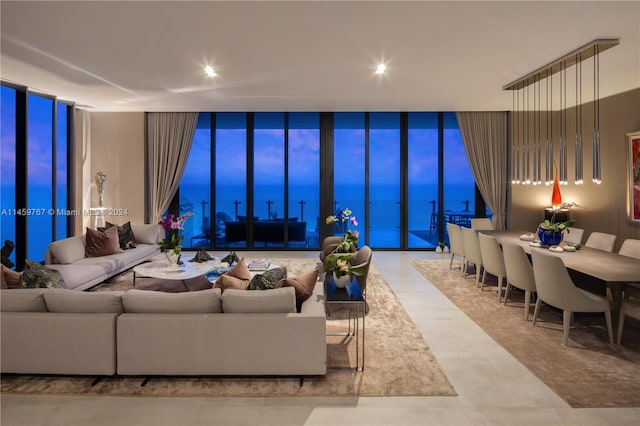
[(146, 233), (68, 250)]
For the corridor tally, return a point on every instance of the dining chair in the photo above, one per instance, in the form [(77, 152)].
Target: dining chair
[(456, 246), (482, 224), (472, 252), (519, 273), (362, 259), (492, 261), (631, 248), (573, 235), (555, 287), (630, 306), (601, 241)]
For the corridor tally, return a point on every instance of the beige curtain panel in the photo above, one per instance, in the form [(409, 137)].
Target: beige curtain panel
[(484, 135), (170, 135)]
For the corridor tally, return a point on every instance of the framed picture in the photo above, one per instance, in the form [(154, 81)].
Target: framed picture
[(634, 177)]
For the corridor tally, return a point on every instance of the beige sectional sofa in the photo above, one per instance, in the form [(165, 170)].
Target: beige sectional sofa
[(80, 272), (147, 333)]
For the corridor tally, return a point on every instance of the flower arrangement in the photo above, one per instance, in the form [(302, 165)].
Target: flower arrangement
[(338, 260), (172, 226)]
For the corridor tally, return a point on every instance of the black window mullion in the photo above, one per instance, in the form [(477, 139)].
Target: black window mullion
[(404, 180), (326, 173), (21, 177), (250, 162), (54, 169), (367, 201), (441, 225), (213, 220), (70, 141), (286, 180)]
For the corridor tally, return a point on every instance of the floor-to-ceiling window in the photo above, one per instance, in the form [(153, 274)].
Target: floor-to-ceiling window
[(35, 172), (401, 174)]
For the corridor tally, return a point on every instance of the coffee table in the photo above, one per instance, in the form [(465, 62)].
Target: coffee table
[(163, 270)]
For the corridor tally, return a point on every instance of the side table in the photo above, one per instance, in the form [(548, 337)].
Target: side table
[(352, 296)]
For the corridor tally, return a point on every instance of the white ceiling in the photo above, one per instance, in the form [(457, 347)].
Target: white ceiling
[(305, 55)]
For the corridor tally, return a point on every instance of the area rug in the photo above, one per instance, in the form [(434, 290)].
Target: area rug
[(398, 361), (586, 373)]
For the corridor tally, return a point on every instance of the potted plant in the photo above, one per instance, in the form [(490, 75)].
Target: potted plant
[(171, 244), (551, 232), (337, 262)]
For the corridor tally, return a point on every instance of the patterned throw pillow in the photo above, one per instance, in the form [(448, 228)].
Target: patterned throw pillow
[(268, 279), (36, 275), (125, 235)]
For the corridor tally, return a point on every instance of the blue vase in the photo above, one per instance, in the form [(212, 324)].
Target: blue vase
[(549, 237)]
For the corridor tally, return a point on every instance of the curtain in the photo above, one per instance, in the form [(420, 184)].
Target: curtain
[(169, 139), (484, 135)]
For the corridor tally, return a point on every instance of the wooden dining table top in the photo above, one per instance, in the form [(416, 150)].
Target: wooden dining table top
[(603, 265)]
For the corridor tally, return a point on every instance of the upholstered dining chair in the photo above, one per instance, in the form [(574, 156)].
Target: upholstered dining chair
[(492, 261), (456, 246), (573, 235), (362, 259), (555, 287), (482, 224), (472, 251), (601, 241), (631, 291), (519, 273)]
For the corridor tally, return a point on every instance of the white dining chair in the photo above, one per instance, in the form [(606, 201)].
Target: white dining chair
[(630, 306), (519, 273), (492, 261), (456, 246), (631, 248), (601, 241), (573, 235), (555, 288), (482, 224), (472, 251)]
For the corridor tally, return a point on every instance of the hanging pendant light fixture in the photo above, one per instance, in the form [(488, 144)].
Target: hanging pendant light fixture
[(563, 125), (596, 116), (513, 137), (548, 166), (518, 139), (537, 177), (578, 169), (527, 147)]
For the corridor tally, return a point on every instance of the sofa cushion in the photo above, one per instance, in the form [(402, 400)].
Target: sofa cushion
[(303, 285), (10, 278), (68, 250), (125, 235), (77, 275), (146, 233), (102, 243), (237, 277), (279, 300), (70, 301), (22, 300), (196, 302), (36, 275), (268, 279)]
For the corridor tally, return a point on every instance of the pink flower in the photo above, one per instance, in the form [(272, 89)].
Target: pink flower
[(353, 221)]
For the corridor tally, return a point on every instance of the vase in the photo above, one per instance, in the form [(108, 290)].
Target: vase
[(172, 257), (341, 282), (549, 237)]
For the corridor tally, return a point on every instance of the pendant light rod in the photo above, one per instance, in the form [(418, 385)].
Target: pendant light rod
[(587, 51), (578, 161)]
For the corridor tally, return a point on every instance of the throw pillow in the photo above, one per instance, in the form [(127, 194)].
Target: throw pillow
[(10, 278), (237, 277), (303, 285), (36, 275), (268, 279), (125, 235), (102, 243)]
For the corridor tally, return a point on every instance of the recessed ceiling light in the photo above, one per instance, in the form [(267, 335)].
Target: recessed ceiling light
[(381, 69), (210, 71)]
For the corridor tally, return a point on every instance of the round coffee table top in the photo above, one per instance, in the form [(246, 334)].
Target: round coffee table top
[(162, 269)]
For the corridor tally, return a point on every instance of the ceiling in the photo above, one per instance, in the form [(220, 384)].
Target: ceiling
[(306, 55)]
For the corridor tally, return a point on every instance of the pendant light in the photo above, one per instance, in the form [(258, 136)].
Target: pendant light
[(596, 116), (548, 163), (537, 177), (513, 137), (527, 147), (563, 124), (578, 169), (518, 138)]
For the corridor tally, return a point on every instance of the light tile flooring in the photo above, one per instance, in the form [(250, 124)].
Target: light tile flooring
[(493, 388)]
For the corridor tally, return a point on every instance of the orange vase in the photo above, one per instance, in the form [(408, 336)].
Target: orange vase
[(556, 197)]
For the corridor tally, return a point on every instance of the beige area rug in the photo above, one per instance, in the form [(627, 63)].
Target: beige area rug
[(586, 373), (398, 361)]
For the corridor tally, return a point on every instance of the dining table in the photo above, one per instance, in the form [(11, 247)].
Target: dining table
[(601, 269)]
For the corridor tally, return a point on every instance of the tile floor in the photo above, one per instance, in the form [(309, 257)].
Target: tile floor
[(493, 388)]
